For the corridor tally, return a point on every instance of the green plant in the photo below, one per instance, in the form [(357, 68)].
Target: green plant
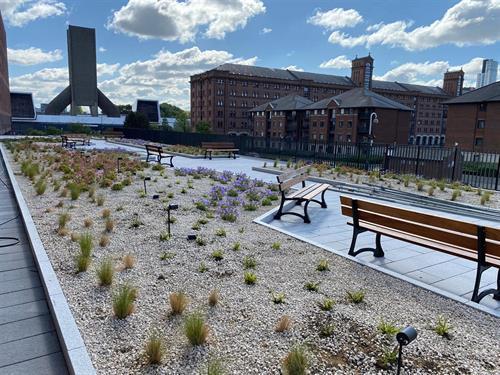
[(296, 362), (442, 185), (128, 261), (100, 200), (196, 226), (221, 232), (420, 186), (166, 255), (200, 241), (195, 329), (387, 358), (356, 297), (155, 349), (164, 236), (276, 246), (105, 272), (250, 278), (82, 262), (106, 213), (284, 324), (218, 255), (215, 367), (485, 197), (104, 241), (74, 190), (278, 298), (202, 268), (323, 265), (326, 330), (117, 187), (249, 262), (430, 191), (442, 327), (85, 243), (136, 222), (312, 286), (275, 163), (110, 225), (266, 202), (387, 328), (40, 187), (327, 304), (124, 301), (455, 195), (178, 302), (213, 297), (236, 246), (64, 218)]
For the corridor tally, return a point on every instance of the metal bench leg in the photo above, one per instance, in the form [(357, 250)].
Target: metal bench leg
[(496, 296), (307, 220), (234, 155), (210, 155), (355, 233), (206, 152), (279, 213), (476, 297), (379, 252), (171, 163), (323, 203), (147, 158)]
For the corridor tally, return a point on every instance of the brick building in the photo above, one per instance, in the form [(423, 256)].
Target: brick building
[(225, 95), (5, 120), (474, 119), (341, 118)]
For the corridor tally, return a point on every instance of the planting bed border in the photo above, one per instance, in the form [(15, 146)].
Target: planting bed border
[(72, 345)]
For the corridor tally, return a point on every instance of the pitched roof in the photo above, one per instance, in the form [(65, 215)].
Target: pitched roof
[(360, 98), (489, 93), (256, 71), (287, 103)]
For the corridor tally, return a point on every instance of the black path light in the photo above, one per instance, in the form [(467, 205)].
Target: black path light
[(169, 208), (145, 188), (118, 163), (404, 337)]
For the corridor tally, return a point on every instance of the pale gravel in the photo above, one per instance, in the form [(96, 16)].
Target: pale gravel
[(242, 326)]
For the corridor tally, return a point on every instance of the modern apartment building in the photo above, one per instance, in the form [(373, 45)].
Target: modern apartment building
[(488, 73), (474, 120), (5, 116), (224, 96)]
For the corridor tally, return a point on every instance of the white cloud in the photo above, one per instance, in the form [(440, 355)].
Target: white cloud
[(266, 30), (469, 22), (336, 18), (102, 49), (165, 76), (20, 12), (339, 62), (32, 56), (431, 73), (181, 20), (294, 68)]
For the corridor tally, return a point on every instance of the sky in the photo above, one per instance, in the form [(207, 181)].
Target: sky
[(149, 48)]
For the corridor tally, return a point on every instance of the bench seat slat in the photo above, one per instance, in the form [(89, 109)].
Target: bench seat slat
[(301, 192), (319, 189)]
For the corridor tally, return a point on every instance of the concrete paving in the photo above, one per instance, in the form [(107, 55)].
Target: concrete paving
[(438, 271)]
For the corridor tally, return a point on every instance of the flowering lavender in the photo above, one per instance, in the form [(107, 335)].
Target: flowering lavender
[(228, 212), (217, 193)]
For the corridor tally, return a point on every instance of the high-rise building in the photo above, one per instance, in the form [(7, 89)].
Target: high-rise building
[(488, 73), (5, 116)]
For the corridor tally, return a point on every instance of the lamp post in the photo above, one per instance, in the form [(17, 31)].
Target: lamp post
[(118, 164), (145, 189), (170, 207), (404, 337), (373, 120)]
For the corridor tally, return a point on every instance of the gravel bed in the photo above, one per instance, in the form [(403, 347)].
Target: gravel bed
[(242, 325)]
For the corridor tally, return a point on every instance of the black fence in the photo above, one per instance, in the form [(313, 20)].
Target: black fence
[(450, 164)]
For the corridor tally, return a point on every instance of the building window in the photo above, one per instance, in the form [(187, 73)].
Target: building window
[(482, 107), (480, 124), (349, 124), (478, 141), (341, 124)]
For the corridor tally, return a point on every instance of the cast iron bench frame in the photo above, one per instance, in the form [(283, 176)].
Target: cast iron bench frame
[(228, 147), (158, 153)]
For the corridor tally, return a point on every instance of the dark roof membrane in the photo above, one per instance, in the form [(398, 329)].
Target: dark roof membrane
[(488, 93)]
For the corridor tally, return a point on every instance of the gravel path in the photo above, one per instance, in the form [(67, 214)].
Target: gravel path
[(242, 326)]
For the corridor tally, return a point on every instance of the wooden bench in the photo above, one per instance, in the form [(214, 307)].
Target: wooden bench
[(78, 138), (66, 142), (112, 134), (158, 153), (465, 240), (211, 147), (305, 194)]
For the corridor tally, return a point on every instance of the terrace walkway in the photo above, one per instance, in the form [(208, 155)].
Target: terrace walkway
[(439, 272), (28, 339)]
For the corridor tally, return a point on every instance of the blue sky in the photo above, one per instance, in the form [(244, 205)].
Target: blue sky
[(149, 48)]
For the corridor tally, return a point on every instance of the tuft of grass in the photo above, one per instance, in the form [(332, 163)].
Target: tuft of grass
[(40, 187), (485, 197), (106, 213), (312, 286), (155, 349), (356, 296), (128, 261), (213, 298), (387, 358), (164, 236), (430, 192), (387, 328), (202, 268), (88, 222), (74, 190), (104, 241), (105, 272), (296, 362), (250, 278), (326, 330), (218, 255), (236, 246), (110, 225), (195, 329), (136, 222), (276, 246), (278, 298), (215, 367), (124, 301), (178, 302), (200, 241), (456, 193), (283, 324), (82, 262), (100, 200), (85, 243), (327, 304), (249, 262), (75, 237), (323, 265), (64, 218), (221, 232), (166, 256), (442, 327), (420, 186)]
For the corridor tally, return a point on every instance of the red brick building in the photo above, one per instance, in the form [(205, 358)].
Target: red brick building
[(225, 95), (474, 120), (5, 117), (341, 118)]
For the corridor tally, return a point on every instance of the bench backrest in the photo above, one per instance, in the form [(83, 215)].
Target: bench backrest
[(289, 179), (458, 233), (154, 148), (216, 145)]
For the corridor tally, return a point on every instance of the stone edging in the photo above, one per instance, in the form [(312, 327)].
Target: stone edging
[(72, 345)]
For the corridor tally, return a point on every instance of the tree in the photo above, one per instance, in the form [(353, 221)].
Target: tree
[(170, 110), (181, 123), (203, 127), (136, 120), (124, 109)]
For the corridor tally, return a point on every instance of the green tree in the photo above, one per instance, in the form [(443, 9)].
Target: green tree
[(181, 123), (136, 120), (203, 127), (170, 110), (124, 109)]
